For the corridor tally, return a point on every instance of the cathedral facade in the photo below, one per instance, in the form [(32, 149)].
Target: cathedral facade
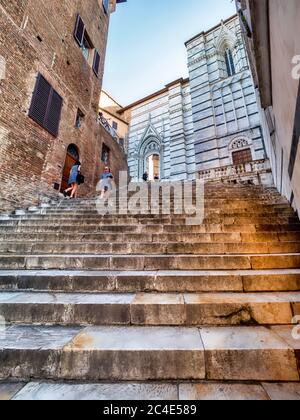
[(161, 136), (210, 120)]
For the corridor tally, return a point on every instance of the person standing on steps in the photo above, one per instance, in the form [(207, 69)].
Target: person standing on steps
[(106, 181), (73, 180), (145, 177)]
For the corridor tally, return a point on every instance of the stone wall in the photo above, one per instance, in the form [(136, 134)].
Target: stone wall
[(37, 37)]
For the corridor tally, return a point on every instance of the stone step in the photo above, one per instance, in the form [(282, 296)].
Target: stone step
[(74, 218), (154, 309), (116, 221), (104, 248), (132, 221), (150, 262), (153, 228), (148, 353), (144, 391), (215, 238), (210, 210), (218, 205), (94, 214), (208, 198), (148, 281)]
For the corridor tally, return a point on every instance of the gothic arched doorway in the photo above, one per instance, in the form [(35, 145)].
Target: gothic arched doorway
[(71, 158), (151, 158), (153, 167)]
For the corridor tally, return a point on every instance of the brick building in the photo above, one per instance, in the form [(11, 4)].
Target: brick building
[(52, 60)]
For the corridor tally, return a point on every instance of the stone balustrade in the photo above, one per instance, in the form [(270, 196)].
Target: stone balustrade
[(239, 172)]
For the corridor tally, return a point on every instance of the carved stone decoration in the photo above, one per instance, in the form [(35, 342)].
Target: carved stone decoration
[(239, 144), (226, 39)]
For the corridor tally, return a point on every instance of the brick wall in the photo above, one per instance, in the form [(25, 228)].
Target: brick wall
[(38, 37)]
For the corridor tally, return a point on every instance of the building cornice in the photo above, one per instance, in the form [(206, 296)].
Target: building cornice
[(153, 95)]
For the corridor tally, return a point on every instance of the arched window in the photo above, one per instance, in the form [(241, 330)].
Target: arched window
[(229, 62), (73, 151)]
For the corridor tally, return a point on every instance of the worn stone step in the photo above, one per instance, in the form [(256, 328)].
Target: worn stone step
[(94, 215), (163, 391), (147, 281), (149, 308), (147, 353), (149, 262), (209, 210), (217, 203), (146, 248), (65, 223), (153, 228), (59, 222), (235, 237)]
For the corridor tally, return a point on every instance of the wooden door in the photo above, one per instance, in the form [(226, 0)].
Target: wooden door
[(242, 157), (70, 162)]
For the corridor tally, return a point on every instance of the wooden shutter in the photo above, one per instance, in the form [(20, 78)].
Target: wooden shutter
[(79, 30), (46, 106), (40, 99), (96, 64), (54, 113)]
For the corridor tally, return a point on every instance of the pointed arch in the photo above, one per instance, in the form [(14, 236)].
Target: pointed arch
[(150, 144), (226, 40)]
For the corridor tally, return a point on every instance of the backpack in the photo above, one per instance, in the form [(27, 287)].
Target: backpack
[(80, 179)]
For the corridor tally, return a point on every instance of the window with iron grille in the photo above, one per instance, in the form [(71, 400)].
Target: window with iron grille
[(46, 106), (242, 156)]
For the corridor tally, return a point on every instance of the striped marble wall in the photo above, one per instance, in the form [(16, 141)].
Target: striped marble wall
[(224, 107), (163, 124)]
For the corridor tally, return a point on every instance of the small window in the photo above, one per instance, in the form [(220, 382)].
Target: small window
[(105, 154), (87, 46), (122, 143), (229, 63), (79, 30), (96, 63), (79, 118), (46, 106), (115, 125), (83, 39), (242, 156)]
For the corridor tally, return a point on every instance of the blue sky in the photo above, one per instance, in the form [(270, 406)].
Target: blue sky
[(146, 43)]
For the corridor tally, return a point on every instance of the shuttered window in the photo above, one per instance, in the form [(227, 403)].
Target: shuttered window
[(96, 64), (46, 106)]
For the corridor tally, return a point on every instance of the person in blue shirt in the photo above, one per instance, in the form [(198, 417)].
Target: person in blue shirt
[(106, 181)]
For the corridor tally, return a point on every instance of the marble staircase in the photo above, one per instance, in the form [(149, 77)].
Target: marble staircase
[(146, 301)]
